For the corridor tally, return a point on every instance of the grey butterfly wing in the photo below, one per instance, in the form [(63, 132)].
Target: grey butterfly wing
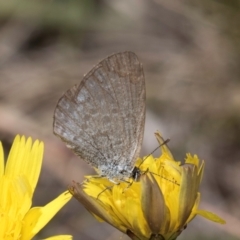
[(102, 119)]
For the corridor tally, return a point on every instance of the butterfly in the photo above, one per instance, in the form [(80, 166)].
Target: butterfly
[(102, 118)]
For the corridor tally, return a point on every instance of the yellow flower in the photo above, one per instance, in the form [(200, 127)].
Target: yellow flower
[(18, 180), (159, 206)]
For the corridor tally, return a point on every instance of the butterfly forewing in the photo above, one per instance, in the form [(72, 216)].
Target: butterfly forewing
[(102, 119)]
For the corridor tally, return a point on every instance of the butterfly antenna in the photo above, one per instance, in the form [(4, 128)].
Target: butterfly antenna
[(165, 142)]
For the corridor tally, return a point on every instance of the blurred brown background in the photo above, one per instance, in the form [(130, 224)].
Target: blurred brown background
[(190, 51)]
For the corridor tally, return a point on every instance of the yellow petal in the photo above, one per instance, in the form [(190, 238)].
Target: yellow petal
[(210, 216), (93, 206), (153, 204), (30, 222), (59, 237), (1, 160), (188, 192), (13, 163), (164, 148), (33, 166), (25, 159), (38, 217)]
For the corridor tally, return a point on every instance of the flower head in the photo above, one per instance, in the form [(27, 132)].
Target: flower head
[(159, 206), (18, 180)]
